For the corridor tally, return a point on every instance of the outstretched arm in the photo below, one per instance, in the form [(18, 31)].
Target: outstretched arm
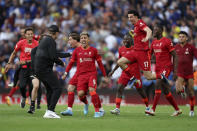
[(112, 72)]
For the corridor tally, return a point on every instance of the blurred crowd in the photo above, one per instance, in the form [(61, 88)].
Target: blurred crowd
[(105, 20)]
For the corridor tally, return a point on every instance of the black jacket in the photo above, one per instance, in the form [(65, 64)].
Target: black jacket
[(46, 55)]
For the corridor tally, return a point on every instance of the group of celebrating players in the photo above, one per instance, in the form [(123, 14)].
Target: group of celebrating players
[(134, 56)]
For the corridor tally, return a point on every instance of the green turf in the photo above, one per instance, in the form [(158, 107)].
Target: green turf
[(132, 118)]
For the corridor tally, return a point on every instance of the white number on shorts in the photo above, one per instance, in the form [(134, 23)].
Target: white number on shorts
[(164, 72), (146, 64)]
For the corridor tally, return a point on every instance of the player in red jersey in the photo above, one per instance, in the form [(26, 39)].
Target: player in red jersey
[(186, 53), (24, 46), (74, 41), (85, 56), (142, 34), (163, 50), (124, 78)]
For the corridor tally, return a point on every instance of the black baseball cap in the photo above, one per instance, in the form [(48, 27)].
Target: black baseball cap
[(53, 28)]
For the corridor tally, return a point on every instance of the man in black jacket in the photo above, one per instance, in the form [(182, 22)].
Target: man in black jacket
[(44, 59)]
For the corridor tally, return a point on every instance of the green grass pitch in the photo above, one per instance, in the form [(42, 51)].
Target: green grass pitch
[(131, 118)]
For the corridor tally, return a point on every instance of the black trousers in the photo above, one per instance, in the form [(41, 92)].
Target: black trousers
[(16, 75), (53, 87), (39, 94), (24, 80)]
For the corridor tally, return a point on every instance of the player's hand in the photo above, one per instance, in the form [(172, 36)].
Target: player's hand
[(110, 74), (132, 31), (144, 39), (7, 67), (64, 76)]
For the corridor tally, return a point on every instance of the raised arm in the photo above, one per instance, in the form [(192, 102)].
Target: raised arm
[(148, 34)]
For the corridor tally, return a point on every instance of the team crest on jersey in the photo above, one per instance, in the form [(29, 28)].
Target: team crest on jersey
[(187, 51), (141, 24), (80, 60)]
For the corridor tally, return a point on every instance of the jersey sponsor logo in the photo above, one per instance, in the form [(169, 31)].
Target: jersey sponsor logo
[(157, 50), (90, 53), (27, 50), (141, 24), (87, 59)]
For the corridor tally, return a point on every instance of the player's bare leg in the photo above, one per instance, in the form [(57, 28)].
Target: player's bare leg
[(179, 84), (118, 99), (149, 75), (34, 92), (190, 86)]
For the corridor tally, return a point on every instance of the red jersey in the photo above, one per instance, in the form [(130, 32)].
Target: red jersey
[(162, 48), (25, 49), (85, 59), (185, 55), (140, 34)]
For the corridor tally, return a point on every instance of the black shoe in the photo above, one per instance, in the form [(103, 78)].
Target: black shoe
[(163, 77), (133, 79), (38, 107), (31, 110), (23, 102)]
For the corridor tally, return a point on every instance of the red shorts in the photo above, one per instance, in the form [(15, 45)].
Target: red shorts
[(186, 76), (73, 80), (141, 57), (166, 71), (86, 81), (124, 79)]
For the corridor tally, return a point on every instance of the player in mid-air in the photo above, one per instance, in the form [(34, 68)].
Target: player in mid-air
[(124, 78), (186, 53), (163, 50), (142, 33), (85, 56)]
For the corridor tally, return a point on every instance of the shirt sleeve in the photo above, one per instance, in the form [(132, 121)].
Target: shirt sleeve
[(100, 64), (142, 25), (169, 45), (72, 61), (18, 46)]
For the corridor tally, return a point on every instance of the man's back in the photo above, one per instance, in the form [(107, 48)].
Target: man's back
[(45, 54)]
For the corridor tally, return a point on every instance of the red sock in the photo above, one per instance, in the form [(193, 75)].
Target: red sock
[(27, 94), (95, 100), (100, 103), (84, 99), (145, 100), (12, 91), (192, 103), (171, 100), (71, 99), (118, 101), (156, 98)]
